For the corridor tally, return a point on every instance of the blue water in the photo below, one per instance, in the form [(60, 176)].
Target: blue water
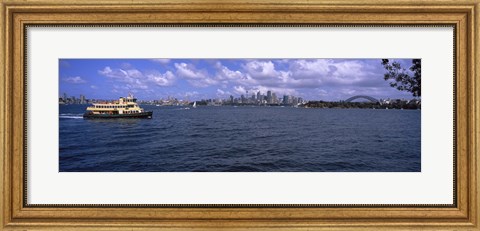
[(242, 139)]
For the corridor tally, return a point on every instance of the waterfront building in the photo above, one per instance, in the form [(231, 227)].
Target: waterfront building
[(82, 99), (269, 96), (285, 99)]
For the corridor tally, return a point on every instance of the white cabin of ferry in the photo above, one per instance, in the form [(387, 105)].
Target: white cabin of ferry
[(126, 105)]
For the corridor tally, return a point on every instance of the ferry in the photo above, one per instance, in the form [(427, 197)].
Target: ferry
[(123, 108)]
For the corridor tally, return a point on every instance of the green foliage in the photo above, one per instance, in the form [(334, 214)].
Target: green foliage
[(402, 79)]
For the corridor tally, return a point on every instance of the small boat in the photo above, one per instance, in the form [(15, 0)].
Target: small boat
[(123, 108), (194, 104)]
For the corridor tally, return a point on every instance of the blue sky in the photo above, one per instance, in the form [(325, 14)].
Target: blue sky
[(194, 79)]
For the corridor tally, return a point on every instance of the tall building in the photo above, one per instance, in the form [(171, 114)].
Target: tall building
[(64, 96), (82, 99), (294, 100), (259, 97), (285, 99), (269, 96), (274, 98)]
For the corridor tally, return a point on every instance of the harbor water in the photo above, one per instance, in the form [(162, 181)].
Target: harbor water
[(242, 139)]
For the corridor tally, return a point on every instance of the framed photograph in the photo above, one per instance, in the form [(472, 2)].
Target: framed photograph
[(239, 115)]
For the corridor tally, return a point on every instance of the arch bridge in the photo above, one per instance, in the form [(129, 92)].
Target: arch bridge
[(369, 98)]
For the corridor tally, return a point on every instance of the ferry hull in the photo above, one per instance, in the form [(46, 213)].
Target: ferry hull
[(143, 115)]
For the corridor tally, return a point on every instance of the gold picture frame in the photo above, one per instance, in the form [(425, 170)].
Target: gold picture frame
[(464, 15)]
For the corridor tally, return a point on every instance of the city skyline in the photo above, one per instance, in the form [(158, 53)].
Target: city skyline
[(196, 79), (258, 98)]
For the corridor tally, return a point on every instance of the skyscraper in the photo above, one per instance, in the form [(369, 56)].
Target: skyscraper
[(259, 97), (82, 99), (285, 99), (269, 96)]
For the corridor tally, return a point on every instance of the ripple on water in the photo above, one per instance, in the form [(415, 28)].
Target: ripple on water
[(243, 139)]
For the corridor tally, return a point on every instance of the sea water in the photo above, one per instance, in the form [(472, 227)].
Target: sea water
[(242, 139)]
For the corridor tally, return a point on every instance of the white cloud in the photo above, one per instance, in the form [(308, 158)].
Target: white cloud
[(189, 71), (224, 73), (206, 82), (134, 73), (260, 69), (239, 90), (134, 79), (308, 78), (161, 61), (320, 72), (222, 93), (191, 93), (166, 79), (109, 72), (197, 78), (306, 69), (74, 80)]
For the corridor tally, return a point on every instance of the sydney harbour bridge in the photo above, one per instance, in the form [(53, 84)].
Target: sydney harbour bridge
[(369, 98)]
